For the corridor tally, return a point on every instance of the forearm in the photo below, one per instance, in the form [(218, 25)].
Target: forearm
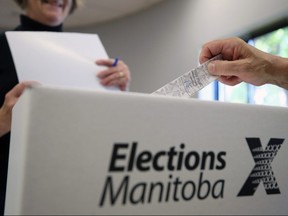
[(5, 122), (279, 72), (3, 130)]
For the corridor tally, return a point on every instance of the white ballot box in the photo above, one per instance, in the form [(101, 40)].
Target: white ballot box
[(85, 152)]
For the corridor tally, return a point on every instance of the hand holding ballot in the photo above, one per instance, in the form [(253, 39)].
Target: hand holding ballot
[(244, 63)]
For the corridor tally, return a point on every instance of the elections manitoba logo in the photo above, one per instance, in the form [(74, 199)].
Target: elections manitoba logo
[(205, 179), (166, 164)]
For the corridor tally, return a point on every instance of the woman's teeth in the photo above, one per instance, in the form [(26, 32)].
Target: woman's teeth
[(53, 2)]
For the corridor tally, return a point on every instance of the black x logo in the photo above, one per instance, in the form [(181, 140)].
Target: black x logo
[(262, 170)]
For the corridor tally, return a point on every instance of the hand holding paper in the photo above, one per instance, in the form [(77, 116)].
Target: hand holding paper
[(117, 73), (58, 59)]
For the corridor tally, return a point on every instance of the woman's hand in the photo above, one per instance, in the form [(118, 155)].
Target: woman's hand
[(11, 99), (114, 75)]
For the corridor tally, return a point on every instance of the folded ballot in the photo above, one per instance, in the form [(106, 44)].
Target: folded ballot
[(189, 83)]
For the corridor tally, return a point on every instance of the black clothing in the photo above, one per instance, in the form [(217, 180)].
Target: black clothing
[(8, 79), (28, 24)]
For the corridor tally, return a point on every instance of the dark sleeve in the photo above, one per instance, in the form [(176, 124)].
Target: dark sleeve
[(8, 75), (4, 156), (8, 79)]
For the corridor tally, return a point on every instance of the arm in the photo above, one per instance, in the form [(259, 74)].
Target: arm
[(244, 63)]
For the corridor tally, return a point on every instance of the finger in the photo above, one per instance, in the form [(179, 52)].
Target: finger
[(123, 86), (106, 62), (116, 81), (229, 49), (211, 49), (121, 66), (229, 80), (12, 96), (113, 78), (226, 68), (122, 83), (19, 88), (115, 72), (110, 71), (205, 55)]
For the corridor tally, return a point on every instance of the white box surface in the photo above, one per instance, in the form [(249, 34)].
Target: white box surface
[(85, 152)]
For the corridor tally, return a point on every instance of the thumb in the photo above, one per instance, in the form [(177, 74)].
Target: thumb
[(222, 68)]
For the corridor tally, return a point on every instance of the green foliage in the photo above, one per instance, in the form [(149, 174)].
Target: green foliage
[(275, 42)]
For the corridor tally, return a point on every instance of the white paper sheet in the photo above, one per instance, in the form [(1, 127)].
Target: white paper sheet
[(58, 59)]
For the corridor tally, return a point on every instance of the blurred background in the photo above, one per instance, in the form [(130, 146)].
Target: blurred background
[(161, 39)]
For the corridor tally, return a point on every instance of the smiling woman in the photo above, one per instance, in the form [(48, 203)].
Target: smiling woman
[(89, 12), (23, 4), (48, 16), (48, 12)]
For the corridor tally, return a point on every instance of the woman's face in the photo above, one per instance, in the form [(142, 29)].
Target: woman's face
[(48, 12)]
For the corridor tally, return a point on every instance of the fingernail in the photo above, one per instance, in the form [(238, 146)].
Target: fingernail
[(211, 67)]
